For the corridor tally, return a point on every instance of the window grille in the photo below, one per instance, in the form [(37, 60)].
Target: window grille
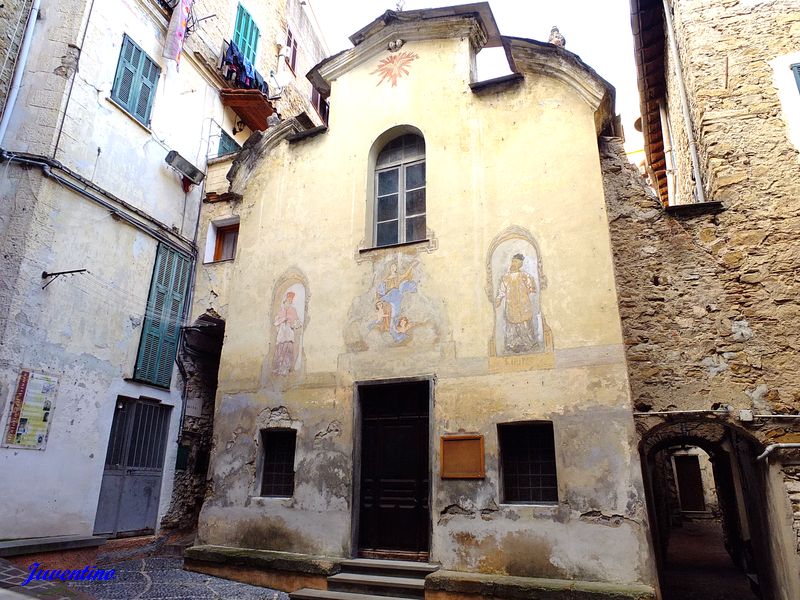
[(277, 476), (528, 462)]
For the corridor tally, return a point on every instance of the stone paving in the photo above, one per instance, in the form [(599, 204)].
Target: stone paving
[(146, 579)]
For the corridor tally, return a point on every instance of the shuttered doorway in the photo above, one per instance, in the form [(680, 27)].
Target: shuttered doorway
[(133, 470)]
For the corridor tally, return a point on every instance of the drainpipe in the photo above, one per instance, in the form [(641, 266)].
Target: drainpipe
[(16, 82), (772, 447), (700, 195)]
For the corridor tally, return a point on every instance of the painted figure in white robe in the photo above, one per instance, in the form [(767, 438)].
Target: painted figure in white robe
[(287, 321), (517, 289)]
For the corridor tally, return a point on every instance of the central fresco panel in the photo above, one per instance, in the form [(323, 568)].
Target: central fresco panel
[(395, 311)]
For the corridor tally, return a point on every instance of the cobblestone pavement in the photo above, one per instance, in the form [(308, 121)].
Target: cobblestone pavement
[(146, 579)]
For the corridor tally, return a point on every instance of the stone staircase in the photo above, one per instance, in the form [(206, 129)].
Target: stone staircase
[(365, 579)]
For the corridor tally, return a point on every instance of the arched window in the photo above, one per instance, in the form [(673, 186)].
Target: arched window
[(400, 191)]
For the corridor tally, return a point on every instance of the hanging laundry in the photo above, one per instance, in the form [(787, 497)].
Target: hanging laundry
[(176, 32)]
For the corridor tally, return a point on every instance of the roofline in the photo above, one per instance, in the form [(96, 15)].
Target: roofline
[(647, 25), (481, 10)]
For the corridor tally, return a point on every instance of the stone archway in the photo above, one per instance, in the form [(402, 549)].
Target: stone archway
[(742, 527)]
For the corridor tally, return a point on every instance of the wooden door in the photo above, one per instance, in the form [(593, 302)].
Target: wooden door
[(394, 516), (690, 483)]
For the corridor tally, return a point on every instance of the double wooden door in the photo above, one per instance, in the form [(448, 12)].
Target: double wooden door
[(394, 513)]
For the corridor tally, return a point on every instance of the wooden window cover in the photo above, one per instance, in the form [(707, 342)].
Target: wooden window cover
[(135, 81), (462, 457)]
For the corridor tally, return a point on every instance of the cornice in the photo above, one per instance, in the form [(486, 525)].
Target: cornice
[(460, 26)]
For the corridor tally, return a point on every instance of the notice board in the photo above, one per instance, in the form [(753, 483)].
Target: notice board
[(31, 411)]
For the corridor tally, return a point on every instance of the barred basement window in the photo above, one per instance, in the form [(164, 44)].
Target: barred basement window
[(528, 462), (135, 81), (277, 475)]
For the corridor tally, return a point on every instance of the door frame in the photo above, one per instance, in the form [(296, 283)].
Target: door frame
[(356, 458)]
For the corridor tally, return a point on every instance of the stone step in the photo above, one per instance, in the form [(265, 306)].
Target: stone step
[(378, 585), (400, 568), (312, 594)]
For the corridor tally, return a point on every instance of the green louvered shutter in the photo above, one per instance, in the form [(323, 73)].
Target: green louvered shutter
[(227, 145), (162, 322), (245, 34), (135, 81), (796, 69)]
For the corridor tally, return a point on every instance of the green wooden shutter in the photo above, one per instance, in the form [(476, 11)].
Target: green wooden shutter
[(148, 80), (227, 144), (135, 81), (245, 34), (124, 89), (162, 322), (796, 69)]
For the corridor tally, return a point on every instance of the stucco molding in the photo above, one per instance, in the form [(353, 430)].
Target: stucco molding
[(255, 148), (462, 26), (538, 58)]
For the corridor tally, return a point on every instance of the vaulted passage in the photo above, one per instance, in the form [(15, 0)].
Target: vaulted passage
[(705, 499)]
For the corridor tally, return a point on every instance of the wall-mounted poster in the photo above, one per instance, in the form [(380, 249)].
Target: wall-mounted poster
[(31, 411)]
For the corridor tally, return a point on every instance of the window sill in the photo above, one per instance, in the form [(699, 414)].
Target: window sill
[(147, 383), (218, 262), (129, 115), (548, 505), (390, 246)]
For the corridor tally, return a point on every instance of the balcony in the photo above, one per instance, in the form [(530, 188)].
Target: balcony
[(245, 91)]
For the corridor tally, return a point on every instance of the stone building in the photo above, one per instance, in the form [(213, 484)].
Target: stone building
[(423, 354), (112, 123), (707, 271)]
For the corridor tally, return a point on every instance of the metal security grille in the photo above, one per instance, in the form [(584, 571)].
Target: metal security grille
[(148, 437), (277, 477), (527, 452), (138, 435)]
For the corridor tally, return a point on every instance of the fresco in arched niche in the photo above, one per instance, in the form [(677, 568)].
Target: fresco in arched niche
[(514, 287), (289, 317), (395, 311)]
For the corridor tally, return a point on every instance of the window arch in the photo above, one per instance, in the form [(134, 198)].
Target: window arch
[(399, 210)]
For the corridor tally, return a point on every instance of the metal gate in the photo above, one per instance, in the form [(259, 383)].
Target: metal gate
[(134, 465)]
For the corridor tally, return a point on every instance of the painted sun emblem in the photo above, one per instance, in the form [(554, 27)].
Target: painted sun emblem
[(394, 67)]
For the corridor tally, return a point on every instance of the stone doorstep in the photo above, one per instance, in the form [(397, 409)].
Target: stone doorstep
[(25, 546), (458, 584), (265, 559)]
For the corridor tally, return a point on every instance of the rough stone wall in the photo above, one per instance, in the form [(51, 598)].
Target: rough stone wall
[(708, 302), (13, 18), (200, 379), (727, 49), (791, 478)]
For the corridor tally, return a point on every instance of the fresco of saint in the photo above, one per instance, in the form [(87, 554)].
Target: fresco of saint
[(287, 321), (517, 289)]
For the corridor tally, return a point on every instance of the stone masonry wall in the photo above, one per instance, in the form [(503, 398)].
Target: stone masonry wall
[(13, 18), (702, 327)]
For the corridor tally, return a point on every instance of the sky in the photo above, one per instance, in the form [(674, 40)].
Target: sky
[(598, 31)]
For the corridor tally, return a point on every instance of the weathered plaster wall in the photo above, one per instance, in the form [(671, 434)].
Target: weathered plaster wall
[(85, 330), (305, 215)]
